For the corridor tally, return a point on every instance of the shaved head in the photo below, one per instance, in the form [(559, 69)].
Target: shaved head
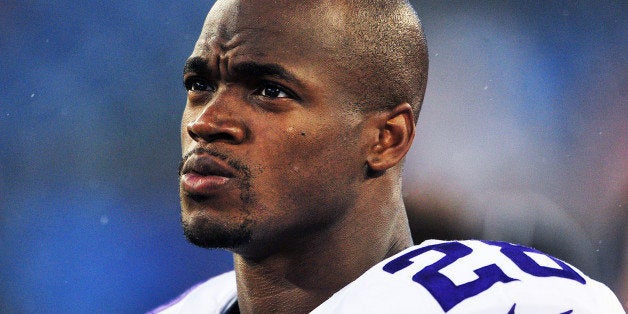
[(376, 48), (386, 53)]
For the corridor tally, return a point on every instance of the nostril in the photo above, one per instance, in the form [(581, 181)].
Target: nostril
[(192, 135), (211, 132), (191, 132)]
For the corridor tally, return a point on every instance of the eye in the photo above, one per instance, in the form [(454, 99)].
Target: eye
[(196, 84), (273, 91)]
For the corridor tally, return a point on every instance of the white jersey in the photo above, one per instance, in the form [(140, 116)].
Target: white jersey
[(451, 277)]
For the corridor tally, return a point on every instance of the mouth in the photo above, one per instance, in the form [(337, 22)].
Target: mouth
[(204, 175)]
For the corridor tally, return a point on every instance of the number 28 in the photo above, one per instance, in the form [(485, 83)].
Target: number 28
[(448, 295)]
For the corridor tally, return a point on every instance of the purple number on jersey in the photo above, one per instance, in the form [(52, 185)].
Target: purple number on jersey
[(516, 253), (448, 294)]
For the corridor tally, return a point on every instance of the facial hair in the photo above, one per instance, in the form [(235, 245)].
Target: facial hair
[(204, 232)]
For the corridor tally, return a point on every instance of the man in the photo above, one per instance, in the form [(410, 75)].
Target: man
[(298, 118)]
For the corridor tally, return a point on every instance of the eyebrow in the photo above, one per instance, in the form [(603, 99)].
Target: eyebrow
[(249, 69), (196, 65), (254, 69)]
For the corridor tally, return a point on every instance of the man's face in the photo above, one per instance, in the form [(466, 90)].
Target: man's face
[(273, 148)]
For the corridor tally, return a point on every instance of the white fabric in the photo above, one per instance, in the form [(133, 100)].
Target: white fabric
[(214, 296), (378, 291), (381, 291)]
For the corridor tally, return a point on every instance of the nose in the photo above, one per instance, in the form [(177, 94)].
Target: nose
[(216, 123)]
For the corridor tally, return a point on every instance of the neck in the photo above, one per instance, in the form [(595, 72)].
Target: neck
[(298, 280)]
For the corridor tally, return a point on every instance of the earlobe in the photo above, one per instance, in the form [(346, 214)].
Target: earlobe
[(396, 132)]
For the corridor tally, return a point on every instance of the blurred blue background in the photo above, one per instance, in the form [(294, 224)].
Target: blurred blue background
[(522, 138)]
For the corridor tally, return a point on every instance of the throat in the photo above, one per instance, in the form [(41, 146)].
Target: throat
[(273, 286)]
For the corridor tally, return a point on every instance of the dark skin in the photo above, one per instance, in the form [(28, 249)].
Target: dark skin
[(313, 183)]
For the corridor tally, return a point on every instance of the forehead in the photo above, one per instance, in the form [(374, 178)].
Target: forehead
[(278, 29)]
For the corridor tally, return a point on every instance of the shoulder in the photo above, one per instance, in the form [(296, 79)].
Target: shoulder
[(212, 296), (473, 277)]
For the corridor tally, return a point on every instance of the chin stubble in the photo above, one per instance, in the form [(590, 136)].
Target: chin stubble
[(206, 233)]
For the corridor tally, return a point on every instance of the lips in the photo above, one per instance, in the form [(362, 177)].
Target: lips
[(205, 175)]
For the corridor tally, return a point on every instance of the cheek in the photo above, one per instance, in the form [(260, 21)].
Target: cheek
[(302, 148), (320, 179), (308, 158)]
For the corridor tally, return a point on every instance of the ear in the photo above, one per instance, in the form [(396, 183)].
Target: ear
[(396, 132)]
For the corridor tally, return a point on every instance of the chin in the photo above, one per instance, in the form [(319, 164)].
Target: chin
[(208, 233)]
